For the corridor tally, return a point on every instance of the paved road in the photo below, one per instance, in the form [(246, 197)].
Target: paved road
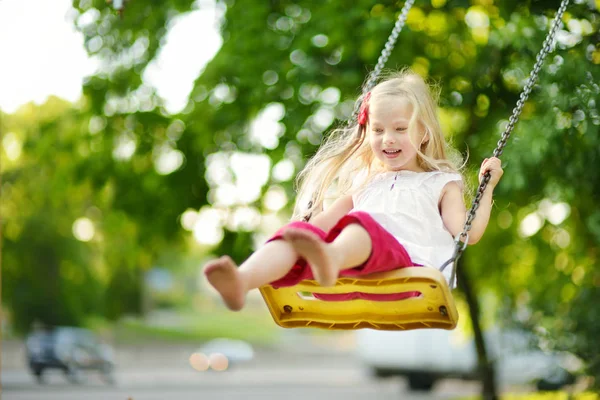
[(299, 367), (316, 382), (163, 373)]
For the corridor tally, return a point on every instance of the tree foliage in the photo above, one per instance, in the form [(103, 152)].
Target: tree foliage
[(304, 62)]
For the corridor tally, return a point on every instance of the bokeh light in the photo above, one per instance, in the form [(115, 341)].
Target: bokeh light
[(199, 361), (218, 361), (83, 229)]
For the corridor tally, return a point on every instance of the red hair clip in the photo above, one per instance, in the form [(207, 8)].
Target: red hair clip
[(363, 114)]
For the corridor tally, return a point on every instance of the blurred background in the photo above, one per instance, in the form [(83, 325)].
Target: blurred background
[(141, 138)]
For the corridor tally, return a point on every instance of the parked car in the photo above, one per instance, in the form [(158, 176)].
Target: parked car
[(69, 349), (426, 355)]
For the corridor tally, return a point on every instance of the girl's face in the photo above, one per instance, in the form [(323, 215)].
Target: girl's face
[(388, 134)]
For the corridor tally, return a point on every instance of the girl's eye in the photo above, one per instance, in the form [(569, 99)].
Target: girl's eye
[(377, 130), (400, 129)]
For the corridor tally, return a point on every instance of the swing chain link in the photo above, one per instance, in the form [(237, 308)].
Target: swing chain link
[(389, 46), (546, 48), (385, 54)]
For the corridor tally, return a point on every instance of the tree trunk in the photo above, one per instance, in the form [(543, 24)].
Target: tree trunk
[(1, 310), (485, 366)]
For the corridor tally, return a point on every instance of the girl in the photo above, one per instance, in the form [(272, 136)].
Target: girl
[(399, 200)]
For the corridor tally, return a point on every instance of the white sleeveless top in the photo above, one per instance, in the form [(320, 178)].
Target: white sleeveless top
[(406, 204)]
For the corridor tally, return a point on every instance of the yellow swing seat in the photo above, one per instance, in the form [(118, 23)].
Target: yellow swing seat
[(295, 307)]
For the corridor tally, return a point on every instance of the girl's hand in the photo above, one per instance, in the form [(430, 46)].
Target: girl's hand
[(494, 166)]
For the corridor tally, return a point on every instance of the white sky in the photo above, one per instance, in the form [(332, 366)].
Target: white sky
[(42, 54)]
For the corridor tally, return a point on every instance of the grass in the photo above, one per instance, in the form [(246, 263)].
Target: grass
[(541, 396), (200, 327)]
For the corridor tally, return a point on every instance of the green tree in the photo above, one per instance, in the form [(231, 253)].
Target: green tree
[(300, 55), (302, 64), (46, 270)]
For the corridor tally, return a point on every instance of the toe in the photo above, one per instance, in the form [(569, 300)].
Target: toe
[(226, 259)]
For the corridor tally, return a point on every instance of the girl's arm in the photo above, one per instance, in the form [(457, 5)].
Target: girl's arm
[(453, 209), (329, 217)]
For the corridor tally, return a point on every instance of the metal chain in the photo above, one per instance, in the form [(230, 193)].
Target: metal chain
[(385, 54), (546, 48), (391, 43)]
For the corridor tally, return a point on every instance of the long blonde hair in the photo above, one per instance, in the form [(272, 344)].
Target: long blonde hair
[(345, 153)]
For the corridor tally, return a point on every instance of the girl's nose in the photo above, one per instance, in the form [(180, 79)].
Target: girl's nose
[(389, 138)]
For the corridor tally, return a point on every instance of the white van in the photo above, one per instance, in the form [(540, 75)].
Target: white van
[(424, 356)]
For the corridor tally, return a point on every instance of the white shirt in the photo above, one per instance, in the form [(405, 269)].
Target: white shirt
[(406, 204)]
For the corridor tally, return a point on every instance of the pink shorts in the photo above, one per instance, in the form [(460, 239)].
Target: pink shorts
[(386, 255)]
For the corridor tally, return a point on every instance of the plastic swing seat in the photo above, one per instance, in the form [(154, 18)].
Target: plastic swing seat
[(295, 307)]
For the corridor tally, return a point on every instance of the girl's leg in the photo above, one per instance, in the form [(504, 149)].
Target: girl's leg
[(269, 263), (351, 248)]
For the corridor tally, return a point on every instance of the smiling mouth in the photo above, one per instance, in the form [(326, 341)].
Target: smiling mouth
[(392, 151)]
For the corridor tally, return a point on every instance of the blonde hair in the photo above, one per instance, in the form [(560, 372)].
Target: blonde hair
[(345, 153)]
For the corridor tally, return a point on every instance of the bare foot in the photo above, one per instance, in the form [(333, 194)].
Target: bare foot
[(314, 250), (223, 275)]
